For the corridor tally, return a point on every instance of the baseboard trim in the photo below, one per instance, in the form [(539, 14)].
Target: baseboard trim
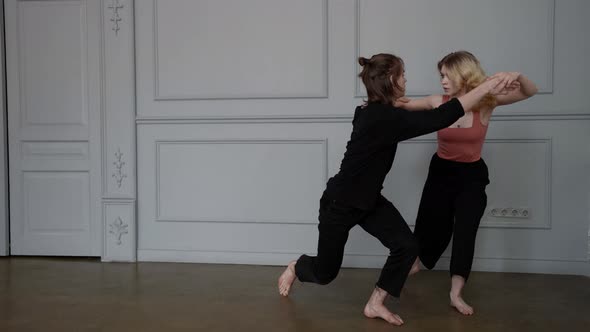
[(573, 267), (215, 257), (525, 266)]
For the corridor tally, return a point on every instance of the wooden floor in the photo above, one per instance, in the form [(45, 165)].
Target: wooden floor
[(85, 295)]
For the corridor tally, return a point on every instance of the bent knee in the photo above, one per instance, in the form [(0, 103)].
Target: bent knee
[(412, 248), (408, 247), (327, 278)]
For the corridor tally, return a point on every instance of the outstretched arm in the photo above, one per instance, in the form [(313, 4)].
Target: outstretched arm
[(527, 88), (419, 104), (414, 124)]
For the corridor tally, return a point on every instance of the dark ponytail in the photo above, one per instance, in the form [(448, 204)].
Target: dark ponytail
[(380, 75)]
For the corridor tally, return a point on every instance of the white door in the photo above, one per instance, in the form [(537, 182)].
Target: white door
[(53, 101)]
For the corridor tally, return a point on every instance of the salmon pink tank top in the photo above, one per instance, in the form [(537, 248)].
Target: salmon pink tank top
[(462, 144)]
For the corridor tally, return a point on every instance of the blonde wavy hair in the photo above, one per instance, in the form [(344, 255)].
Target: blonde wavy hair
[(466, 72)]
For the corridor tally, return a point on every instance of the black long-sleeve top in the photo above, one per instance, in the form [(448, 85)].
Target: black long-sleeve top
[(377, 129)]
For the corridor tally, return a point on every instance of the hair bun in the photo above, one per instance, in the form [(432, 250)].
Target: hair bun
[(363, 61)]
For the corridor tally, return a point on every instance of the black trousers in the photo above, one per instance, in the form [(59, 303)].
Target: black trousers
[(383, 222), (452, 204)]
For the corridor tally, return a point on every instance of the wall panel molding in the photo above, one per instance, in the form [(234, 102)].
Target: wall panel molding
[(489, 221), (159, 95), (160, 217), (550, 44), (499, 222)]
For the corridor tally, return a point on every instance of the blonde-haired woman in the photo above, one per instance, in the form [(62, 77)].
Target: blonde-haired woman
[(454, 199)]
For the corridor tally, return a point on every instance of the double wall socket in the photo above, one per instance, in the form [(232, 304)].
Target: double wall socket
[(510, 212)]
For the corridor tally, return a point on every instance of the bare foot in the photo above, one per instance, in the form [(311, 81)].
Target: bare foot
[(460, 305), (457, 284), (380, 311), (376, 309), (415, 268), (287, 278)]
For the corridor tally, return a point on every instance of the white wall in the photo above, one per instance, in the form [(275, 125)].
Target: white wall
[(586, 82), (243, 113), (3, 188)]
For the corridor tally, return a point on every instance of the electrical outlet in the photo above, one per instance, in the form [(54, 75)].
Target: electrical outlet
[(510, 212)]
